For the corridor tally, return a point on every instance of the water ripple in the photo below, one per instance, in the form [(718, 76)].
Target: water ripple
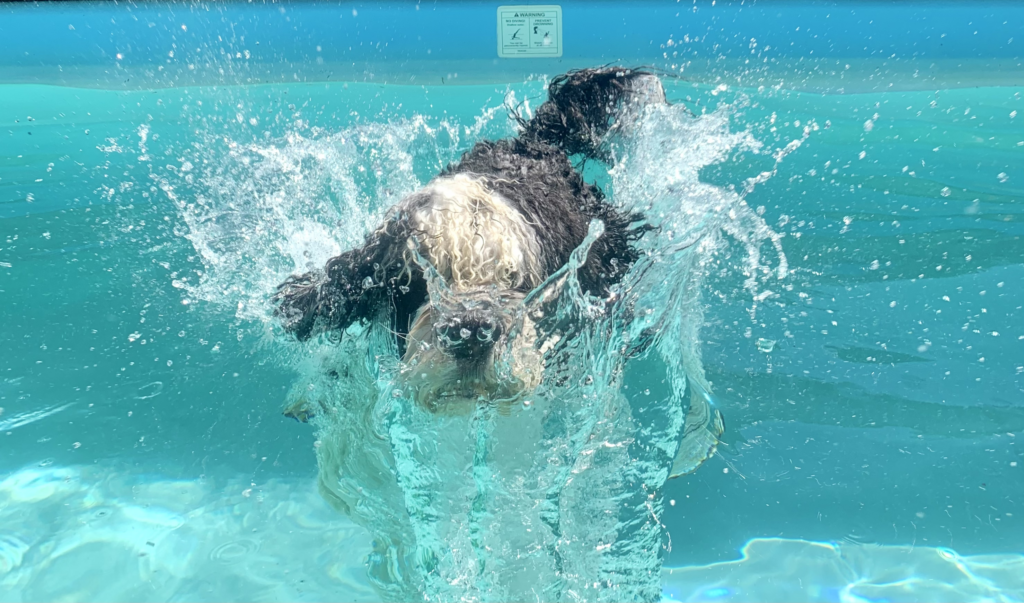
[(24, 418), (150, 390), (230, 552)]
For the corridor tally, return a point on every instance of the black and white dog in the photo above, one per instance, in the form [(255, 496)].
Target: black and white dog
[(492, 227)]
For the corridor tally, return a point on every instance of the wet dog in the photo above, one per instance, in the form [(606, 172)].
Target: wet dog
[(449, 268)]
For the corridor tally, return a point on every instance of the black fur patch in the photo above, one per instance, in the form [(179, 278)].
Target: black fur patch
[(533, 172)]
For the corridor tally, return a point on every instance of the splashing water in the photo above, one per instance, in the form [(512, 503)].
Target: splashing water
[(256, 212), (556, 495)]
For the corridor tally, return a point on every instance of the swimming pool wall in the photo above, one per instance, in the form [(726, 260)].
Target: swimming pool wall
[(827, 46)]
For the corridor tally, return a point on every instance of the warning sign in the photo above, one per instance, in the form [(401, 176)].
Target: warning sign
[(529, 31)]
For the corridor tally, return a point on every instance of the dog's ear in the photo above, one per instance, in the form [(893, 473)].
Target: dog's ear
[(349, 289), (299, 304)]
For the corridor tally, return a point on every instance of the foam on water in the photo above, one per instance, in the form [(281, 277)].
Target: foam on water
[(103, 532)]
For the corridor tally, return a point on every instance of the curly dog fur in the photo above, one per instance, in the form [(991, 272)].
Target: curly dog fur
[(493, 226)]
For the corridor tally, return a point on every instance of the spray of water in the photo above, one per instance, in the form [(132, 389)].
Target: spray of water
[(557, 496)]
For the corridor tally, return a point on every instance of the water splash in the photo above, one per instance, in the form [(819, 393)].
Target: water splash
[(557, 496), (256, 212)]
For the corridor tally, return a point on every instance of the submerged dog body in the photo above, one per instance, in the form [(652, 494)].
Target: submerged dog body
[(450, 266), (474, 296)]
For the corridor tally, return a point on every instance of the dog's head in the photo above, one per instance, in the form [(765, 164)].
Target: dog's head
[(466, 334), (471, 338)]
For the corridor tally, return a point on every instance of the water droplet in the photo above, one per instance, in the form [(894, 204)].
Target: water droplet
[(765, 345)]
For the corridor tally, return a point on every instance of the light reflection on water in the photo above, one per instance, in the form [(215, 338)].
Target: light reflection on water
[(779, 569), (105, 533)]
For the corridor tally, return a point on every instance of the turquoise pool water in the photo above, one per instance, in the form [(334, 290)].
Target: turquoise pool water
[(873, 398)]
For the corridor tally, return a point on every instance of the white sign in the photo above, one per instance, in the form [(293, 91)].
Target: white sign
[(529, 31)]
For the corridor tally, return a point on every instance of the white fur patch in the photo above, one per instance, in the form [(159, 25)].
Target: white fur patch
[(473, 238)]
